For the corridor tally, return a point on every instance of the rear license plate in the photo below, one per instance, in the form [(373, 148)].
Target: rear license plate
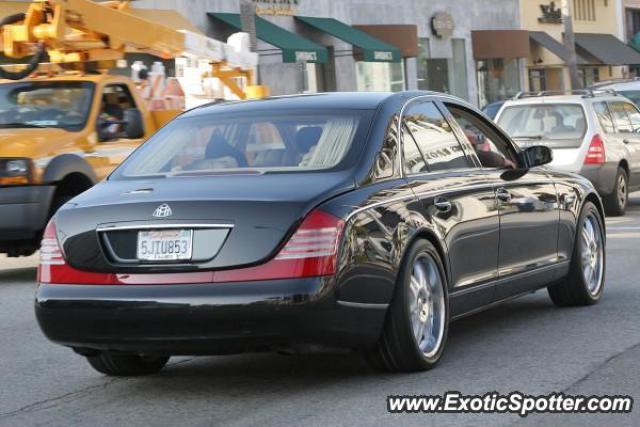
[(165, 245)]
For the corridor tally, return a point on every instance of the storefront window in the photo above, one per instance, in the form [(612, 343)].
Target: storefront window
[(380, 76), (498, 79), (537, 81), (589, 75), (447, 75)]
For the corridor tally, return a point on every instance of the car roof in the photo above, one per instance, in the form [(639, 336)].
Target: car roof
[(562, 99), (316, 101), (340, 100)]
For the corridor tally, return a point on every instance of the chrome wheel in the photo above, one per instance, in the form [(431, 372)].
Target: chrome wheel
[(427, 305), (592, 256), (622, 191)]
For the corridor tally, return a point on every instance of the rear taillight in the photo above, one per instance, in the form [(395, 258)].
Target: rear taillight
[(596, 154), (53, 268), (311, 251)]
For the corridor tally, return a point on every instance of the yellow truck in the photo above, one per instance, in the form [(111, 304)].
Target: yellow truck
[(58, 137), (61, 133)]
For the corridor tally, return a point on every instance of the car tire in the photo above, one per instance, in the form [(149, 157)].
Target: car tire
[(127, 365), (585, 282), (420, 308), (616, 203)]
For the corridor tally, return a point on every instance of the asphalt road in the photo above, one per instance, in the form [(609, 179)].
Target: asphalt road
[(527, 345)]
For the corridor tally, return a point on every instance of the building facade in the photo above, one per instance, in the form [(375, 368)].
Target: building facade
[(456, 46), (602, 53)]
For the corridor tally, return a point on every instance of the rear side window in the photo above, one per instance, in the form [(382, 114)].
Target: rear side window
[(544, 121), (427, 133), (620, 117), (604, 116)]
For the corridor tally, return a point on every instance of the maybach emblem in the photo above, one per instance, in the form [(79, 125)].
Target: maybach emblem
[(163, 211)]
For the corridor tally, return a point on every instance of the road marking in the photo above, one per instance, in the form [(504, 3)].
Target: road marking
[(623, 236), (617, 220)]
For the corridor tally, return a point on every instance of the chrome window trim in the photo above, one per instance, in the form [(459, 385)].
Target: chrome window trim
[(163, 226)]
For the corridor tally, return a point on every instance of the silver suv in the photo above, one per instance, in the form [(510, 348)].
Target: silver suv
[(595, 134)]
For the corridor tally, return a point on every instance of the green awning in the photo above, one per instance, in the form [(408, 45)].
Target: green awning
[(294, 48), (373, 50)]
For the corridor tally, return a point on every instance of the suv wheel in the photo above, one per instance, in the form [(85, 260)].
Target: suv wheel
[(616, 202), (417, 323)]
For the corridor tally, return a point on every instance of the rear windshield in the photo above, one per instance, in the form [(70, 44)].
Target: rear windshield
[(282, 141), (561, 122)]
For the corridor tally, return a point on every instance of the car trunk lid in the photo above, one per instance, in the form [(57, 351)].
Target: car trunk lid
[(235, 220)]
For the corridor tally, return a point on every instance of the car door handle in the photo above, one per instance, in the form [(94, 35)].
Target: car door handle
[(442, 204), (503, 195), (626, 141)]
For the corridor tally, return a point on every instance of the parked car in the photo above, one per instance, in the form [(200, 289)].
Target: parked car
[(491, 110), (594, 134), (629, 88), (367, 221)]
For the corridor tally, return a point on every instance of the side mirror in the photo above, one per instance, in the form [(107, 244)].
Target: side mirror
[(133, 123), (537, 155)]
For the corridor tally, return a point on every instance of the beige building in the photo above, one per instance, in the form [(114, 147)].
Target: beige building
[(599, 33)]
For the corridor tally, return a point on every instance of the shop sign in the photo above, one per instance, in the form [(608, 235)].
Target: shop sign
[(302, 56), (383, 55), (550, 14), (276, 7), (442, 24)]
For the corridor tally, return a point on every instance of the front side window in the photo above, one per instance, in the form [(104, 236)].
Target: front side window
[(492, 150), (116, 99), (278, 141), (433, 137), (59, 104)]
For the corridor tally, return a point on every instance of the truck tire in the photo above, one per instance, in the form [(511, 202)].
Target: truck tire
[(615, 204)]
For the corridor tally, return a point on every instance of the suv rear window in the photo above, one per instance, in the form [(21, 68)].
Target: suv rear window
[(279, 141), (564, 123)]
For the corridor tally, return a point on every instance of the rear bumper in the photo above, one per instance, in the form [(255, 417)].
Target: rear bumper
[(23, 212), (204, 318)]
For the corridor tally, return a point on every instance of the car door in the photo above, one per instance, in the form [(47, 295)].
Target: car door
[(113, 144), (527, 201), (458, 197)]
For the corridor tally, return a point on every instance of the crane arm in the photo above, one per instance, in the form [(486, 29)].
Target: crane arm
[(78, 31)]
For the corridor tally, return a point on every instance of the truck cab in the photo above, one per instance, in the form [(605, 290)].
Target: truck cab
[(58, 137)]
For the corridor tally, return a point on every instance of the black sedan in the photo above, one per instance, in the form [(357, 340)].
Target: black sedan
[(350, 220)]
